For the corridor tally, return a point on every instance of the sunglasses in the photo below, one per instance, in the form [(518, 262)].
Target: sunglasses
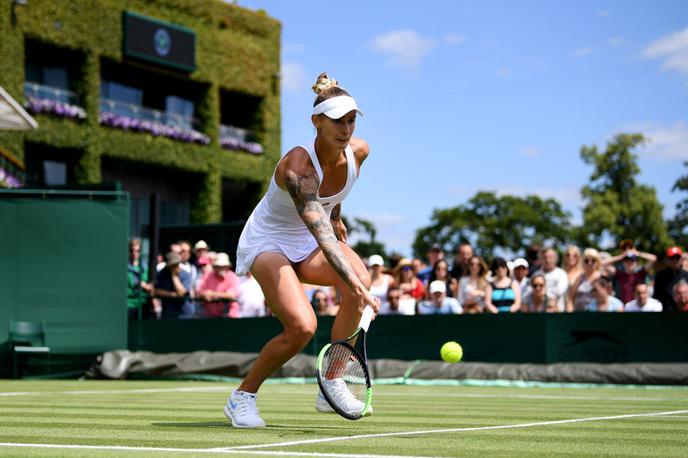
[(538, 285), (590, 261), (406, 268)]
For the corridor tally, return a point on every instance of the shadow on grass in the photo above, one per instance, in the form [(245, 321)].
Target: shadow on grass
[(281, 428)]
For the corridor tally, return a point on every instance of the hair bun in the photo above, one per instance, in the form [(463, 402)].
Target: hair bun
[(324, 83)]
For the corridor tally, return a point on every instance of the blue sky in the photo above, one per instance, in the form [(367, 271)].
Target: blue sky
[(462, 96)]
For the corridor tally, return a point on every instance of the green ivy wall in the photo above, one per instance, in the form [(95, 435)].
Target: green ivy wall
[(236, 50)]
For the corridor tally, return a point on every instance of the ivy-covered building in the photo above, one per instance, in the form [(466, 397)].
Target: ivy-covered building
[(175, 97)]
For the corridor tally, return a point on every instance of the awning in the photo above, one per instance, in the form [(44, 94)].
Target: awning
[(12, 115)]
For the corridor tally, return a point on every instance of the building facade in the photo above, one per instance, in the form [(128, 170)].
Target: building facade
[(175, 97)]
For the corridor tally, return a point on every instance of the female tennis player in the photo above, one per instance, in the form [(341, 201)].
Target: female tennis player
[(295, 234)]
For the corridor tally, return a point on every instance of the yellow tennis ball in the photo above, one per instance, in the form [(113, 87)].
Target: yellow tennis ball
[(451, 352)]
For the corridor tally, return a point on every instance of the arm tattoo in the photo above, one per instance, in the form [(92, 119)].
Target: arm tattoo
[(304, 191)]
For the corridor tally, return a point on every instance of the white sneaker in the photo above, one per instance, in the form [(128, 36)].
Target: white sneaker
[(342, 396), (241, 409)]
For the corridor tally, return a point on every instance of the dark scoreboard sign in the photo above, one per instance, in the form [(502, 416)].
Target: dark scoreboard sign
[(160, 42)]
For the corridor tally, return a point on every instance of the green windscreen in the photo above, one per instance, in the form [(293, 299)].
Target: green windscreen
[(63, 262)]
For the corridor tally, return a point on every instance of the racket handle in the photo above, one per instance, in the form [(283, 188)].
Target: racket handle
[(366, 318)]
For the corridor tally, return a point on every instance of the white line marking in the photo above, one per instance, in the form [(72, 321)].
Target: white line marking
[(199, 450), (196, 389), (454, 430)]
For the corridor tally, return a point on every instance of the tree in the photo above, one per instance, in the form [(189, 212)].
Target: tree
[(365, 248), (679, 224), (616, 206), (496, 225)]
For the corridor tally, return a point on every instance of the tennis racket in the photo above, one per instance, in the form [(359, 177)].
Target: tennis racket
[(342, 372)]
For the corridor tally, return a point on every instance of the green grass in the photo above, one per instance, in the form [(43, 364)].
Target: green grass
[(188, 415)]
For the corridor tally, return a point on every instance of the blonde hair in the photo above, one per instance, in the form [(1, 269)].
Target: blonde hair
[(326, 88)]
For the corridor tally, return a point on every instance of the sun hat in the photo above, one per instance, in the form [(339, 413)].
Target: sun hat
[(201, 245), (172, 259), (222, 260)]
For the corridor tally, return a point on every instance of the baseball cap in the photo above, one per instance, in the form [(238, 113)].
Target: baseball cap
[(674, 251), (520, 262), (438, 286), (376, 260)]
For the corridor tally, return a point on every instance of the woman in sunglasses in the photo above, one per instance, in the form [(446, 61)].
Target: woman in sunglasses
[(581, 293), (536, 299)]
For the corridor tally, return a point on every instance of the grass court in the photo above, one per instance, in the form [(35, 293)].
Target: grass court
[(160, 418)]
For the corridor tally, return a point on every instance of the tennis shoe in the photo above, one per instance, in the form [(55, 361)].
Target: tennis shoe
[(242, 411), (342, 396)]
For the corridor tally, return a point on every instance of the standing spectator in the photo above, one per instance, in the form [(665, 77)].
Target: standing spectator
[(536, 299), (393, 304), (200, 251), (534, 258), (474, 288), (680, 295), (573, 263), (219, 290), (440, 271), (251, 298), (667, 277), (643, 302), (581, 291), (603, 301), (629, 273), (185, 265), (463, 256), (439, 304), (435, 253), (172, 286), (411, 286), (162, 260), (380, 281), (557, 279), (521, 274), (506, 294), (138, 288)]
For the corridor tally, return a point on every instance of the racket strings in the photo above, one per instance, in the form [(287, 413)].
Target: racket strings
[(345, 378)]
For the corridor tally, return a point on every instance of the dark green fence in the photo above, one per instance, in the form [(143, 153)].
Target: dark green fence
[(591, 337), (64, 258)]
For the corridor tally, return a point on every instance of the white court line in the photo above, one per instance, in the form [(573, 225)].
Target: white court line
[(454, 430), (200, 450), (210, 389)]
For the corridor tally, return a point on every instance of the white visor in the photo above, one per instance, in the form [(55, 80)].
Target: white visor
[(336, 107)]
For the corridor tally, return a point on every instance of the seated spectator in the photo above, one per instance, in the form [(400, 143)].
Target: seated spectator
[(410, 285), (461, 260), (680, 295), (138, 288), (251, 298), (629, 273), (394, 305), (603, 301), (581, 291), (573, 264), (440, 271), (439, 304), (506, 294), (643, 302), (219, 290), (521, 274), (536, 299), (380, 281), (474, 288), (666, 278), (321, 303), (172, 286), (557, 278), (435, 253)]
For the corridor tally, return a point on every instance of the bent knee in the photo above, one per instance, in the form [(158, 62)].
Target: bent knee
[(302, 332)]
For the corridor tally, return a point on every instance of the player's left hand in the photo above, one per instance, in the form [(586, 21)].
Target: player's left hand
[(339, 230)]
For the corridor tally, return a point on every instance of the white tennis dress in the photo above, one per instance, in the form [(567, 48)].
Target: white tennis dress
[(275, 226)]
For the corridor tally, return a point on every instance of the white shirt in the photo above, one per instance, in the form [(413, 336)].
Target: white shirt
[(450, 306), (652, 305), (557, 285), (251, 298)]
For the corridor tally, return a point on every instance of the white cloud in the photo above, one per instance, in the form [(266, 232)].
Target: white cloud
[(583, 52), (672, 49), (293, 77), (405, 48), (454, 39), (616, 42), (531, 151), (668, 143)]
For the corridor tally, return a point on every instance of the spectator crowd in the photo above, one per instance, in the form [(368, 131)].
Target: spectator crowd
[(195, 282)]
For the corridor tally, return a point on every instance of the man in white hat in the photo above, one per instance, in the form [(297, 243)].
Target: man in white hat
[(219, 290), (520, 270), (439, 303)]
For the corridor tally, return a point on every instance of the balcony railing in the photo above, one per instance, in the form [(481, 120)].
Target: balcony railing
[(237, 138), (127, 116), (40, 91)]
